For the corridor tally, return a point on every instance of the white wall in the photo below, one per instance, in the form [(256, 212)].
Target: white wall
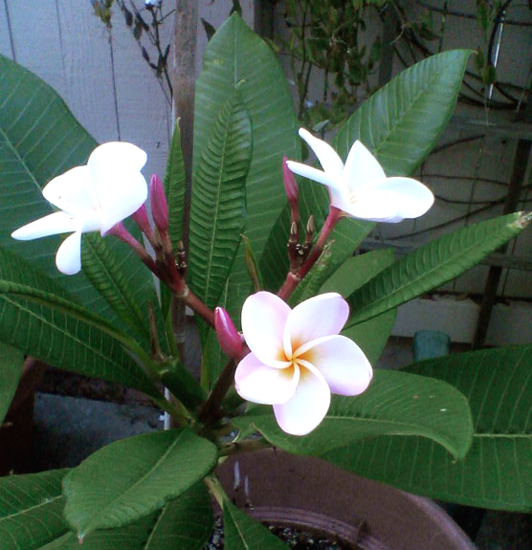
[(100, 73)]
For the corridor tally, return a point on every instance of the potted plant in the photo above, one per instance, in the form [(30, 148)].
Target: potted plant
[(312, 320)]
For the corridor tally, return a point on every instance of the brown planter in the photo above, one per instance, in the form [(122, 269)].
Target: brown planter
[(308, 493), (16, 432)]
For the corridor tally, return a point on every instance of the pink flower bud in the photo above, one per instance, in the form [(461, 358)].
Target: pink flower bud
[(159, 206), (228, 336), (290, 184), (142, 220)]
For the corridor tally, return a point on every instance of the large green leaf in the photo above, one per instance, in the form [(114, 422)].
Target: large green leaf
[(433, 264), (39, 318), (31, 518), (110, 279), (236, 55), (245, 533), (400, 124), (11, 360), (40, 139), (218, 207), (394, 403), (175, 187), (184, 523), (31, 510), (131, 478), (371, 335), (497, 470)]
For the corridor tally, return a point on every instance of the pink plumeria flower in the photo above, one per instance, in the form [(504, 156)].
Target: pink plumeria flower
[(298, 358), (94, 197), (360, 188)]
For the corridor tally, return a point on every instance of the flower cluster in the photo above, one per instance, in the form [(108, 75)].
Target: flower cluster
[(292, 359)]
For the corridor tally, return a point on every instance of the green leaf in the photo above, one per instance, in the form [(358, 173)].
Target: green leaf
[(218, 206), (497, 471), (182, 383), (371, 335), (131, 478), (394, 403), (245, 533), (31, 518), (31, 510), (39, 318), (182, 524), (400, 124), (11, 360), (357, 270), (40, 139), (431, 265), (175, 187), (108, 277), (236, 55), (185, 523)]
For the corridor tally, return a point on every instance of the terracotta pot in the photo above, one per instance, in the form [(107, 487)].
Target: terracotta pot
[(308, 493), (16, 432)]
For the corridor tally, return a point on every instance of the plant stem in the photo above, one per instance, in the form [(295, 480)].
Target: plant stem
[(292, 280), (210, 411), (247, 446), (216, 489)]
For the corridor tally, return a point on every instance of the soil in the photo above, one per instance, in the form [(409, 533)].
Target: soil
[(296, 539)]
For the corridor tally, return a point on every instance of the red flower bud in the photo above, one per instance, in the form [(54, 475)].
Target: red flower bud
[(142, 220), (159, 206), (228, 336), (290, 184)]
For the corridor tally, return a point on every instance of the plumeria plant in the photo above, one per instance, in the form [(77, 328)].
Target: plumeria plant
[(291, 321)]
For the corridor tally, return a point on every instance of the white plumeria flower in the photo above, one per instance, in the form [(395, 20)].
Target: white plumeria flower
[(360, 187), (298, 358), (94, 197)]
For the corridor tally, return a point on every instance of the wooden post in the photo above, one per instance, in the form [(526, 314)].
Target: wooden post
[(183, 82)]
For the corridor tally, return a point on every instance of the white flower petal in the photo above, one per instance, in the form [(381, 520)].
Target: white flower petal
[(126, 191), (391, 199), (53, 224), (121, 154), (307, 407), (341, 362), (263, 319), (316, 317), (329, 159), (72, 191), (259, 383), (68, 257), (360, 167), (311, 173)]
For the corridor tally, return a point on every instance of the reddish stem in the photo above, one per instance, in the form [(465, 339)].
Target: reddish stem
[(292, 280)]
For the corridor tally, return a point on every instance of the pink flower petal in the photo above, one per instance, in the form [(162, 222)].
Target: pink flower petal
[(259, 383), (68, 257), (360, 167), (329, 159), (307, 407), (341, 362), (263, 319), (319, 316)]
